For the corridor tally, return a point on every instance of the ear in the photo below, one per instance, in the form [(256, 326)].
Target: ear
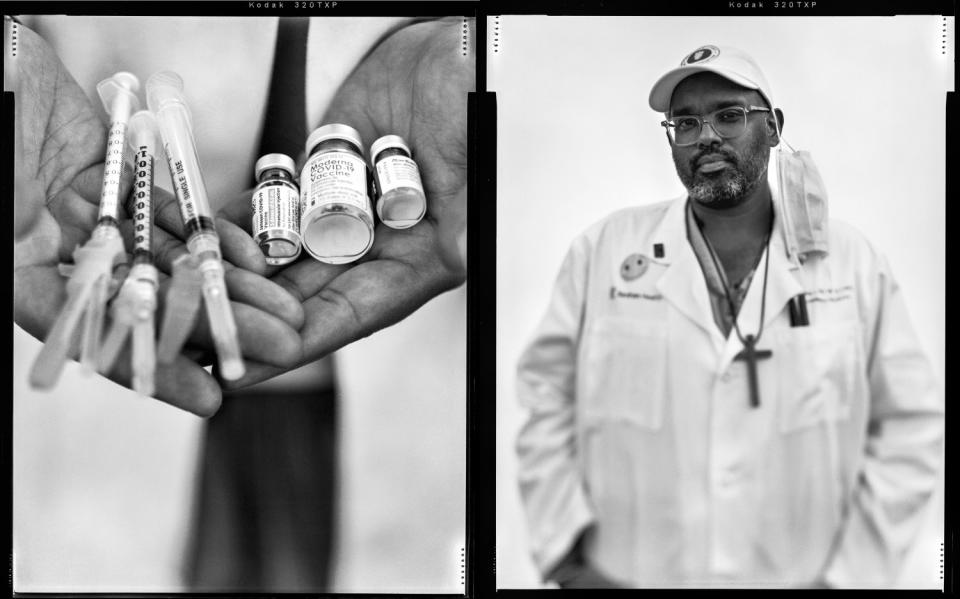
[(772, 126)]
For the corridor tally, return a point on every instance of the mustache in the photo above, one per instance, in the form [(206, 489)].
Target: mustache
[(712, 155)]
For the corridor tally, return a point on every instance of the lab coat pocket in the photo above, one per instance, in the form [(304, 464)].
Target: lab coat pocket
[(623, 372), (817, 374)]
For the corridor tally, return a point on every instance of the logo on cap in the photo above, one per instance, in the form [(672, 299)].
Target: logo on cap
[(701, 54)]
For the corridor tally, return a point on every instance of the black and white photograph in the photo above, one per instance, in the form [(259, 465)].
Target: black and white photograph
[(239, 352), (720, 300), (701, 344)]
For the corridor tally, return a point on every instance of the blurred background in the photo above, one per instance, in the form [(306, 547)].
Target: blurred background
[(104, 481), (577, 140)]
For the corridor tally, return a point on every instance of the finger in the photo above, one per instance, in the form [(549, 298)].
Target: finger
[(367, 298), (182, 298), (183, 384), (239, 248), (256, 372), (236, 245), (262, 337), (166, 213), (453, 234), (253, 314), (40, 294), (235, 218), (306, 277), (167, 248), (188, 386), (76, 216), (242, 285), (254, 290), (239, 210), (235, 242), (200, 355)]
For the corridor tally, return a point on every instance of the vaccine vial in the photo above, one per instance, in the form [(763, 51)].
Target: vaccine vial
[(400, 200), (336, 222), (276, 209)]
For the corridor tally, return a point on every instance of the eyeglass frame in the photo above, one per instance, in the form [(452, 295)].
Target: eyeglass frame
[(703, 121)]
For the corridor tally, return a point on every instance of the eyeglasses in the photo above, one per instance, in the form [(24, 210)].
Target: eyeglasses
[(727, 122)]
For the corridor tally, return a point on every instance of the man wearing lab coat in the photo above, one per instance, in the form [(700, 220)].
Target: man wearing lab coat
[(720, 395)]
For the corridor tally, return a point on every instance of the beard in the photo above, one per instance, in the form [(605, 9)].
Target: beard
[(728, 187)]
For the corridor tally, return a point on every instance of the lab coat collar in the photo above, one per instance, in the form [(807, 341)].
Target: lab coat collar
[(684, 286), (682, 283)]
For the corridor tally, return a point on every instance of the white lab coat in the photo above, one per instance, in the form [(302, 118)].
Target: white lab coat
[(640, 422)]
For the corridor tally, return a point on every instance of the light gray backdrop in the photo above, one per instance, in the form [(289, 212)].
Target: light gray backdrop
[(577, 140)]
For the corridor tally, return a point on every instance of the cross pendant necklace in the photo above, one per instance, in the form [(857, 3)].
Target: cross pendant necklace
[(749, 354)]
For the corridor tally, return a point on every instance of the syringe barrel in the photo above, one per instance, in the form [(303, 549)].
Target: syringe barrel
[(165, 98), (118, 94), (223, 327), (142, 130)]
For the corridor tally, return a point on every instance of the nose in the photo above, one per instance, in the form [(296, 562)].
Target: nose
[(709, 135)]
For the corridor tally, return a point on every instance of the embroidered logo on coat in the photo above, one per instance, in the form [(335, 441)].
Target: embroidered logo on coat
[(833, 294), (634, 266), (618, 294)]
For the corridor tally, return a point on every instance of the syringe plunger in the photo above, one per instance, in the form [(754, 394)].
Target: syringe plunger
[(119, 95)]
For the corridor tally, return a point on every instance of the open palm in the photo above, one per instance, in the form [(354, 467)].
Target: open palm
[(60, 145), (414, 84)]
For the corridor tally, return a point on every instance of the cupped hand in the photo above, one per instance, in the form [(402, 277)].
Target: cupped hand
[(60, 142), (413, 84)]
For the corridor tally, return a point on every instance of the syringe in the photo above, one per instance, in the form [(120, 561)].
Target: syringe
[(88, 287), (181, 304), (165, 98), (133, 309)]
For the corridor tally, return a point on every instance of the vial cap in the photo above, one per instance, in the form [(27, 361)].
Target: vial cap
[(385, 142), (268, 161), (334, 131)]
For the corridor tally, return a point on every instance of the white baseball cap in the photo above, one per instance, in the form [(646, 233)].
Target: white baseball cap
[(728, 62)]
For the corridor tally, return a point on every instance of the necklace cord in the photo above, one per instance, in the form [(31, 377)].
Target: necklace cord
[(726, 290)]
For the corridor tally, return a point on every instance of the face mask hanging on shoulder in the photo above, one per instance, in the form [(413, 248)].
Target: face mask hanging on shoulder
[(802, 202)]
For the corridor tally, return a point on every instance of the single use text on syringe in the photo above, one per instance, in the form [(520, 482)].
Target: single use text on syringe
[(165, 98)]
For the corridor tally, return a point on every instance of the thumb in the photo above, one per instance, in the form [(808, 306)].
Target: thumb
[(453, 234)]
